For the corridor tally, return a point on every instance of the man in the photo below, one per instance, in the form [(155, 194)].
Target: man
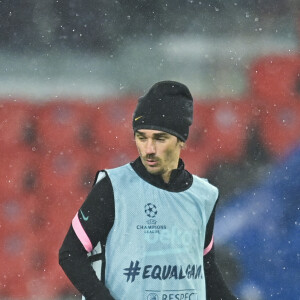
[(147, 226)]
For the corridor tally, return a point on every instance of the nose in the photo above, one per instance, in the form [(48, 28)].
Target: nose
[(150, 147)]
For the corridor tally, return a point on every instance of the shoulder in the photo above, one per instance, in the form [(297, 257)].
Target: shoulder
[(121, 174), (122, 168), (203, 181), (102, 186), (99, 176), (205, 185), (105, 178), (96, 215), (101, 179)]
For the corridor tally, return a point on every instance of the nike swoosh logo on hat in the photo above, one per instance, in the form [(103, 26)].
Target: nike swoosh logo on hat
[(137, 118), (83, 216)]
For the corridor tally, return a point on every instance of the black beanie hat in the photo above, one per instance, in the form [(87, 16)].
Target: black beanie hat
[(168, 107)]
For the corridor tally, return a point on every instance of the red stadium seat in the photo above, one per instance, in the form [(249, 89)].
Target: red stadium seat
[(17, 254), (28, 272), (17, 124), (227, 129), (280, 128), (19, 171), (29, 265), (21, 222), (58, 216), (67, 170), (64, 124), (18, 211), (113, 124), (198, 130), (197, 161), (66, 179), (45, 277), (50, 282), (115, 157), (197, 154), (275, 78)]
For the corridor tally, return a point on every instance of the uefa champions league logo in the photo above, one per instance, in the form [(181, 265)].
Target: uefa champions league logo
[(150, 210), (152, 296), (150, 226)]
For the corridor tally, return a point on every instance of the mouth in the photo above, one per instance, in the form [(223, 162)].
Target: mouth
[(151, 162)]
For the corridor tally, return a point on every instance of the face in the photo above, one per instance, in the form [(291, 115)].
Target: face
[(159, 151)]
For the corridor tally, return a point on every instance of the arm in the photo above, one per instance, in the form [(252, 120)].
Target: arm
[(74, 261), (216, 288), (98, 219)]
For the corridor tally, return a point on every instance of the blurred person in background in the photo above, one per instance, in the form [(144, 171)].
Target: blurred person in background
[(145, 230)]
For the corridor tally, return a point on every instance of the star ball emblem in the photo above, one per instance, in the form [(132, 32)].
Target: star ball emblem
[(150, 210)]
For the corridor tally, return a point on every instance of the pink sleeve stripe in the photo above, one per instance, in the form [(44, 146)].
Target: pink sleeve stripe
[(209, 247), (84, 239)]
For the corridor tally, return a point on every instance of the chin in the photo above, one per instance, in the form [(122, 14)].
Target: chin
[(153, 171)]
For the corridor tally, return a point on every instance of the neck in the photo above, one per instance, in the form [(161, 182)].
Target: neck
[(166, 176), (180, 179)]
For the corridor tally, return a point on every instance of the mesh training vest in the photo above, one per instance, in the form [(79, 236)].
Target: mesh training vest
[(154, 250)]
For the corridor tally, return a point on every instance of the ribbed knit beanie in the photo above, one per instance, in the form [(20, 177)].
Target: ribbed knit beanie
[(168, 107)]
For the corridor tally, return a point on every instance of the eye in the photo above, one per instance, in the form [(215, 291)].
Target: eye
[(141, 138)]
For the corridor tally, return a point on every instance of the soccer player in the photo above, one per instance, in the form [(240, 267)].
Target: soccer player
[(145, 231)]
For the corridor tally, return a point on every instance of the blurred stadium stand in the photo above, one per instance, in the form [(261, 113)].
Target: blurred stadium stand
[(71, 119), (227, 129), (261, 225), (51, 152), (113, 125), (242, 62), (275, 79), (20, 133)]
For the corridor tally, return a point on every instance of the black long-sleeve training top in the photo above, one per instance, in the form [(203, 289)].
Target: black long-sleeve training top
[(100, 205)]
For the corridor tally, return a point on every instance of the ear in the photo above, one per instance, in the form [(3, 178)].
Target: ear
[(182, 145)]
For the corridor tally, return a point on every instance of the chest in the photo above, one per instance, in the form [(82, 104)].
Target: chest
[(158, 217)]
